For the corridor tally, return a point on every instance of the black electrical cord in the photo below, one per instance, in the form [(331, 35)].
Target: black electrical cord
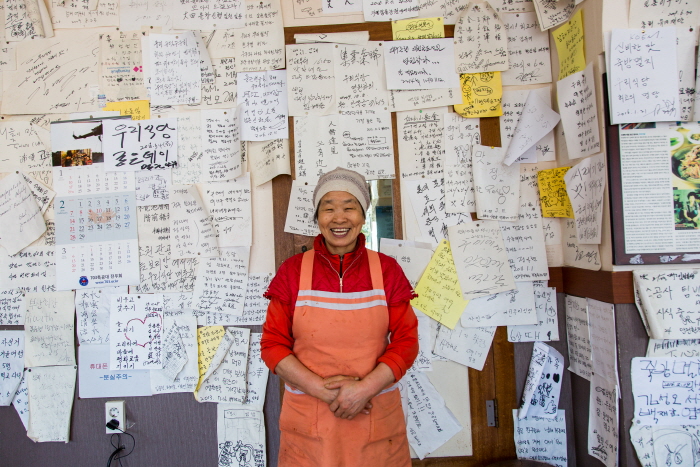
[(114, 425)]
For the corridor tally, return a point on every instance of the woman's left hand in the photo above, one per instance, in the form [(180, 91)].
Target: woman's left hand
[(353, 398)]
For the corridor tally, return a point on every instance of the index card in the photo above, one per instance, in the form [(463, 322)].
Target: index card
[(658, 382), (481, 95), (192, 232), (639, 63), (186, 379), (31, 270), (136, 328), (420, 64), (603, 421), (528, 50), (412, 260), (263, 100), (21, 221), (541, 439), (225, 379), (359, 77), (601, 326), (547, 327), (300, 213), (12, 364), (221, 283), (139, 145), (543, 383), (481, 42), (221, 145), (367, 143), (311, 79), (439, 294), (585, 183), (551, 14), (229, 204), (537, 119), (579, 113), (420, 28), (667, 302), (496, 186), (480, 259), (570, 46), (578, 337), (260, 44), (467, 346), (268, 159), (12, 307), (92, 313), (673, 348), (176, 77), (23, 148), (49, 329), (51, 391), (502, 309), (95, 379), (121, 66), (553, 196), (389, 10), (240, 429), (209, 14), (430, 423), (29, 90)]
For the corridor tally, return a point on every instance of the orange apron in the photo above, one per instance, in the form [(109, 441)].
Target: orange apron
[(341, 334)]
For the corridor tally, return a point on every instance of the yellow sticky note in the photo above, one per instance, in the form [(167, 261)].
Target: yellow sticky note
[(481, 95), (569, 40), (439, 293), (555, 201), (423, 28), (139, 110), (208, 339)]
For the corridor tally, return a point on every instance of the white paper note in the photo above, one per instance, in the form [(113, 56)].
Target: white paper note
[(12, 307), (192, 232), (31, 270), (601, 326), (468, 346), (585, 183), (578, 337), (21, 401), (420, 64), (139, 145), (153, 187), (366, 143), (121, 66), (603, 421), (541, 439), (552, 14), (221, 283), (11, 364), (209, 14), (680, 348), (225, 379), (51, 391), (49, 329), (92, 311), (300, 213), (189, 143), (136, 328), (240, 435), (260, 44), (536, 121), (389, 10), (412, 260), (254, 308), (221, 145), (316, 147), (359, 77), (547, 327), (496, 186), (268, 159), (187, 378), (21, 221), (502, 309), (481, 40), (95, 379), (543, 383), (460, 135), (528, 50), (579, 113), (174, 63), (262, 97), (229, 204), (310, 80)]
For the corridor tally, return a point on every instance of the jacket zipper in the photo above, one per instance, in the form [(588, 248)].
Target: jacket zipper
[(340, 276)]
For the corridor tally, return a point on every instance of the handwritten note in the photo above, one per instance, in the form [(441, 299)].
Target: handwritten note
[(311, 79), (139, 145), (502, 309), (31, 270), (254, 308), (152, 187), (221, 283), (260, 44), (333, 7), (95, 379), (481, 41), (585, 183), (439, 294), (92, 312), (528, 50), (553, 196), (422, 28), (257, 374), (191, 229), (412, 260), (12, 307), (682, 15), (673, 348), (21, 401), (366, 143), (209, 13), (460, 135), (229, 204), (240, 435), (21, 221), (300, 213), (420, 64), (578, 336), (579, 113), (601, 325), (263, 101), (537, 119), (49, 329), (316, 146), (543, 383), (570, 46), (359, 77), (420, 143), (603, 420), (175, 72), (430, 424), (467, 346), (189, 143), (496, 186), (541, 439), (24, 149), (388, 10), (551, 13), (121, 66), (221, 145), (208, 340), (185, 379), (547, 327), (423, 98), (225, 379), (51, 392), (685, 53), (136, 332), (11, 364), (481, 95), (639, 60)]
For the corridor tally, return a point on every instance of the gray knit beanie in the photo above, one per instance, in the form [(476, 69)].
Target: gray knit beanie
[(341, 179)]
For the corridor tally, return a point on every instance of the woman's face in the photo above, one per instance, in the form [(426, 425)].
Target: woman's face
[(340, 220)]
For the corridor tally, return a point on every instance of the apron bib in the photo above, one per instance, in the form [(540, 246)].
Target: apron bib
[(341, 334)]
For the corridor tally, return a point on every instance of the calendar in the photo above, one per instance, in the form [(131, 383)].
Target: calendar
[(91, 179), (96, 240)]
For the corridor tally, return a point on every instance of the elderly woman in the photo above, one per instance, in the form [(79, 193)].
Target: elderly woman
[(340, 332)]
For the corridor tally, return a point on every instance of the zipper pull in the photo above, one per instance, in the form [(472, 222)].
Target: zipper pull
[(341, 284)]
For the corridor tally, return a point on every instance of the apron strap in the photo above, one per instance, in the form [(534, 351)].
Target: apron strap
[(375, 270), (307, 269)]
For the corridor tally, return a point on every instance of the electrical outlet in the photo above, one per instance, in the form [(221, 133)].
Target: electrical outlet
[(114, 410)]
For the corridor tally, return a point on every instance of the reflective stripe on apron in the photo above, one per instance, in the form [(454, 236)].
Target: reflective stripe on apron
[(341, 334)]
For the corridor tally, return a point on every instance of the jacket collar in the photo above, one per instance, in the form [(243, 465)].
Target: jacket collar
[(320, 247)]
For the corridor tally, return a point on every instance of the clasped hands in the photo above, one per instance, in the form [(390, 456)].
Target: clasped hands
[(346, 396)]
